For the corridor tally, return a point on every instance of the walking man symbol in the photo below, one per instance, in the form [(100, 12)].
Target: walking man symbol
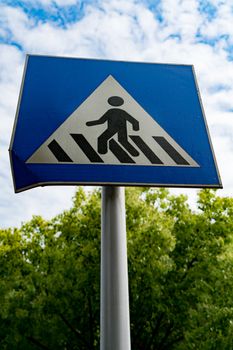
[(116, 119)]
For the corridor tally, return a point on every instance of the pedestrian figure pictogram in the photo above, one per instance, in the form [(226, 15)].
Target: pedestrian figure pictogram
[(116, 119)]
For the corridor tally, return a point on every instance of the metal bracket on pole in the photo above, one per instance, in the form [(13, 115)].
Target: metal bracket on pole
[(114, 318)]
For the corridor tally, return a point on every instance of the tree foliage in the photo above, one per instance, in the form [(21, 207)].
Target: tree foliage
[(180, 275)]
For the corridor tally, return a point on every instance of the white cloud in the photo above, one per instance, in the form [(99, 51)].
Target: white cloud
[(222, 24), (60, 2), (181, 17), (125, 30)]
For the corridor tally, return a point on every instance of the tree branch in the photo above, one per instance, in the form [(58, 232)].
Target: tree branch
[(174, 341), (75, 331), (37, 343), (90, 322), (154, 332), (162, 343)]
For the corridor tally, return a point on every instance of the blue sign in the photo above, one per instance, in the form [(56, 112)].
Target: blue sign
[(99, 122)]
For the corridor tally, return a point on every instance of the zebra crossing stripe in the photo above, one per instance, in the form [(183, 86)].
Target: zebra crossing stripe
[(145, 149), (119, 153), (87, 148), (58, 152), (171, 151)]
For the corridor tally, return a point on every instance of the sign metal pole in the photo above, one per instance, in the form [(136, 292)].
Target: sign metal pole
[(114, 318)]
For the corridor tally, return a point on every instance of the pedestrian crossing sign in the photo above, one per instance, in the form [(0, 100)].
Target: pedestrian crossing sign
[(98, 122)]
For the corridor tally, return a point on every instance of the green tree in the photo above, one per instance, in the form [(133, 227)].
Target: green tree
[(50, 283), (192, 308), (180, 275)]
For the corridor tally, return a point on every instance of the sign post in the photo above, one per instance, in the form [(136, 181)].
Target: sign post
[(115, 324), (111, 123)]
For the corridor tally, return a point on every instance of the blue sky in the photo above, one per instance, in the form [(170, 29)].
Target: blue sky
[(197, 32), (60, 15)]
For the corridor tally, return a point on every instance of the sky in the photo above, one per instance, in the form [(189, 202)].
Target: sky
[(198, 32)]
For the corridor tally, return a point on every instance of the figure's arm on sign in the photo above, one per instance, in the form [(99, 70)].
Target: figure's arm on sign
[(102, 120), (133, 121)]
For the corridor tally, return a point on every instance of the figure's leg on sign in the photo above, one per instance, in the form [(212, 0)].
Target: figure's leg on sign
[(122, 138), (103, 140)]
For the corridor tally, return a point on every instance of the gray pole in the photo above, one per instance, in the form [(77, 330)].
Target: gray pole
[(114, 318)]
